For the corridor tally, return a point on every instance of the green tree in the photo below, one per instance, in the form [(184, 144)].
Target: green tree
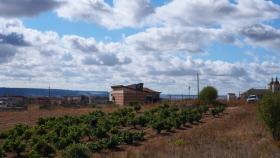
[(208, 95), (269, 112)]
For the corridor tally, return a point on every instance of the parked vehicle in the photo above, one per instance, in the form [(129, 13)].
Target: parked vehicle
[(252, 99)]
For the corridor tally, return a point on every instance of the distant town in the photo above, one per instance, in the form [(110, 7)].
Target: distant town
[(20, 98)]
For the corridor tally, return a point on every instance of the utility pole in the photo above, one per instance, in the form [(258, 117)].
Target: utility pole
[(189, 92), (197, 85)]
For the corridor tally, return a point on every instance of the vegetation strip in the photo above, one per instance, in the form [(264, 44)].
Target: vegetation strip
[(81, 135)]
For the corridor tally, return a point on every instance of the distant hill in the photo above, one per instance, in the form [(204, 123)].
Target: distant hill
[(34, 92)]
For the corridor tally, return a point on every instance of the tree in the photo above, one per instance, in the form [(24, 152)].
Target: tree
[(208, 95), (269, 112), (77, 151)]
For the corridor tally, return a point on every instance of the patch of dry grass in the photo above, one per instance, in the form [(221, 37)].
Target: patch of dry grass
[(237, 134)]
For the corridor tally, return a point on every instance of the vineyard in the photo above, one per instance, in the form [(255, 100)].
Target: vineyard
[(80, 136)]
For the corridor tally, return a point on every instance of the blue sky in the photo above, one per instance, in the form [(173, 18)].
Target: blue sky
[(92, 45), (49, 21)]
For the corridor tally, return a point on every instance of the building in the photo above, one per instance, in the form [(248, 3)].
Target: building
[(123, 95), (258, 92), (231, 96), (274, 86), (13, 101)]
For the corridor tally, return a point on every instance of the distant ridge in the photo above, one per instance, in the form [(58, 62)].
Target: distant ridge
[(37, 92)]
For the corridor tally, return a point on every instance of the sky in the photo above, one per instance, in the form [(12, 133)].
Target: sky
[(93, 44)]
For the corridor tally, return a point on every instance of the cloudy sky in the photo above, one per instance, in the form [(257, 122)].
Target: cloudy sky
[(93, 44)]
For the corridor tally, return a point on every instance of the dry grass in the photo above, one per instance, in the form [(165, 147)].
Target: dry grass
[(237, 134)]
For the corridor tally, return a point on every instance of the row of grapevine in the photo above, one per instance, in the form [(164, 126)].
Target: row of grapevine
[(94, 131)]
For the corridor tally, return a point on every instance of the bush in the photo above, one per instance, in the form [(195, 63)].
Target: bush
[(208, 95), (217, 110), (110, 142), (136, 106), (77, 151), (95, 146), (33, 154), (203, 108), (269, 112), (14, 145), (2, 153), (43, 148)]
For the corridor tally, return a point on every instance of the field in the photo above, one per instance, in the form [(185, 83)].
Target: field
[(235, 133)]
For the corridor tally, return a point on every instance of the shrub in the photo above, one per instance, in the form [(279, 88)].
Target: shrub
[(203, 108), (208, 95), (139, 136), (158, 124), (2, 153), (269, 112), (33, 154), (217, 110), (135, 105), (141, 120), (95, 146), (126, 137), (14, 145), (62, 143), (197, 116), (110, 142), (43, 148), (214, 112), (77, 151)]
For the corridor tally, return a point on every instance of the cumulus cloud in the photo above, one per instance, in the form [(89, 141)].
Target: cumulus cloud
[(161, 53), (262, 35), (13, 39), (7, 53), (172, 39), (105, 59), (141, 13), (123, 13), (23, 8)]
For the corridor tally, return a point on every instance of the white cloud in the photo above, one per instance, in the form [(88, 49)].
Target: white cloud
[(123, 13), (262, 36), (161, 55)]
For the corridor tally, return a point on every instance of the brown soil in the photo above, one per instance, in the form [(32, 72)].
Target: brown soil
[(30, 117)]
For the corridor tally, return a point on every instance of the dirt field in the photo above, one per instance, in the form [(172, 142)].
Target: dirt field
[(236, 134), (30, 117)]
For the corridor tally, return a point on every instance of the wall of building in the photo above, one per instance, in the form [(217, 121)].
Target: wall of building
[(124, 96)]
